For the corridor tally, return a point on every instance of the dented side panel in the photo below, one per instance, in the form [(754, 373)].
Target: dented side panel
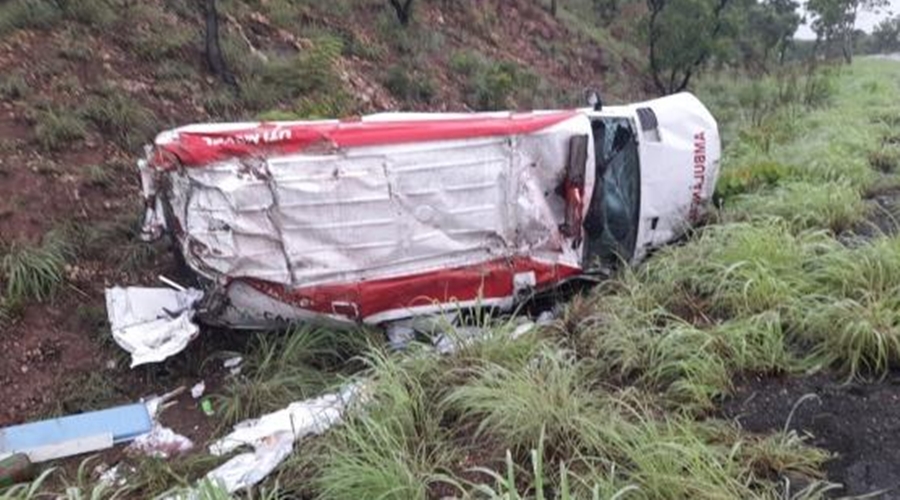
[(327, 235)]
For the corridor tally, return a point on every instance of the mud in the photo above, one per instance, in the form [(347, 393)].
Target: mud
[(858, 423)]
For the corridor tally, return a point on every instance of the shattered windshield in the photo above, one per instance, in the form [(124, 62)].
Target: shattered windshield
[(612, 219)]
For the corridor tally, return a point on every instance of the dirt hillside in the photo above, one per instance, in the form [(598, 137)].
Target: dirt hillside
[(84, 85)]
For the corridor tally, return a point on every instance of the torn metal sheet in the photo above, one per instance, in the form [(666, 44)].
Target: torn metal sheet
[(152, 323), (398, 215)]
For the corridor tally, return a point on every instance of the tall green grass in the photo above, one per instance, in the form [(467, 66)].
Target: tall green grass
[(35, 272), (286, 367), (393, 447)]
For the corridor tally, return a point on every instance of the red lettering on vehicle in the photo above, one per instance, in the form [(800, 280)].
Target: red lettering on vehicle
[(699, 175)]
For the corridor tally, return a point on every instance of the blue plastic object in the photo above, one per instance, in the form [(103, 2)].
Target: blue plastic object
[(124, 423)]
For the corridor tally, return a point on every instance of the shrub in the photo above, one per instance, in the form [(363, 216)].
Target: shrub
[(819, 89), (493, 85), (94, 13), (405, 84), (549, 395), (309, 74), (850, 309), (885, 159), (35, 272), (735, 269), (828, 205), (55, 129), (20, 14), (221, 103), (748, 177), (160, 43), (13, 86), (120, 116)]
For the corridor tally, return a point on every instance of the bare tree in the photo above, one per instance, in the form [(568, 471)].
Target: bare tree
[(403, 10), (214, 57)]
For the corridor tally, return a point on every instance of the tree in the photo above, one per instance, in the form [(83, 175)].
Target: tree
[(834, 22), (554, 7), (762, 31), (784, 23), (214, 58), (682, 34), (886, 36), (605, 10), (403, 9)]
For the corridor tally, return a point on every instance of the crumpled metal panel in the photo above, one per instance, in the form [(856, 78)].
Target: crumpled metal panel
[(379, 211)]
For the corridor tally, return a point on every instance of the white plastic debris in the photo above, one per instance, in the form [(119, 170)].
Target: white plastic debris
[(161, 442), (522, 329), (233, 365), (457, 338), (272, 437), (248, 469), (198, 389), (302, 418), (546, 317), (152, 323), (399, 335), (111, 477)]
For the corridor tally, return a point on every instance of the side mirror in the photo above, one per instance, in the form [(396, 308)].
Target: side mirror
[(592, 96)]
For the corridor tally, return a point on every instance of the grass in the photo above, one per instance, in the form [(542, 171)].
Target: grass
[(35, 272), (56, 129), (19, 14), (121, 117), (13, 86), (309, 80), (404, 83), (89, 392), (493, 85), (42, 14), (833, 205), (290, 367)]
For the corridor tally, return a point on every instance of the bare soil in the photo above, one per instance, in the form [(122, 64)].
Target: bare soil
[(859, 423)]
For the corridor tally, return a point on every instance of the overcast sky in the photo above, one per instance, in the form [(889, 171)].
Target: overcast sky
[(864, 20)]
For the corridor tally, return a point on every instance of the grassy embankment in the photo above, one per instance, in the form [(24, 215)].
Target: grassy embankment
[(617, 399)]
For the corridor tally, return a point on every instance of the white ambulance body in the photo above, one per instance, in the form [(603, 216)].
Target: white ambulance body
[(401, 214)]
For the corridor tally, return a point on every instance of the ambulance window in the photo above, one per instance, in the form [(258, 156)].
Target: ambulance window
[(612, 219)]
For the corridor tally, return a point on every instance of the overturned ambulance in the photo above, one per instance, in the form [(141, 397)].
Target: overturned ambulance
[(395, 215)]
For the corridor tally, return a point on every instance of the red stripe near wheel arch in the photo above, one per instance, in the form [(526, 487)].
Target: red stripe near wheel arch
[(359, 300), (194, 149)]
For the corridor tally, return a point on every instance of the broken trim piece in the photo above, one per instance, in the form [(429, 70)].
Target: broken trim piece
[(152, 323)]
